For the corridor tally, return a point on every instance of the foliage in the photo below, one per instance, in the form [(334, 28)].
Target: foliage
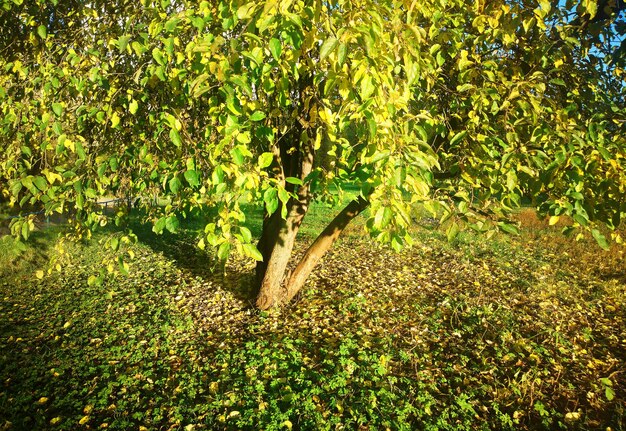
[(468, 109), (504, 334)]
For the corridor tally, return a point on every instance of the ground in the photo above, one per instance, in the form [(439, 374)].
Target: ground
[(508, 333)]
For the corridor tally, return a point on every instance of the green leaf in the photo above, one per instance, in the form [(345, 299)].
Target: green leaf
[(41, 183), (509, 228), (265, 160), (175, 185), (57, 108), (223, 251), (341, 53), (367, 86), (192, 178), (293, 180), (270, 197), (122, 43), (80, 151), (237, 155), (157, 54), (245, 233), (244, 138), (233, 105), (453, 231), (609, 393), (42, 31), (245, 11), (284, 196), (15, 188), (251, 251), (275, 48), (175, 138), (581, 219), (327, 47), (159, 226), (465, 87), (172, 224), (257, 116), (456, 138), (383, 217), (115, 243), (25, 230), (600, 239)]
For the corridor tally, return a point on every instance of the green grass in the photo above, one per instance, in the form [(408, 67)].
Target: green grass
[(510, 333)]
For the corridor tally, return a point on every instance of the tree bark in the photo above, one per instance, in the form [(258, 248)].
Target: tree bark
[(321, 245), (281, 236), (271, 292), (266, 244)]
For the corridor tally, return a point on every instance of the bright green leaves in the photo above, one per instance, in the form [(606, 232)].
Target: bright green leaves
[(453, 231), (245, 11), (509, 228), (172, 224), (265, 160), (327, 47), (405, 107), (257, 116), (223, 251), (192, 178), (42, 31), (237, 155), (176, 138), (367, 86), (457, 137), (169, 223), (275, 48), (270, 198), (158, 56), (250, 250), (382, 217), (57, 108), (600, 239), (175, 185)]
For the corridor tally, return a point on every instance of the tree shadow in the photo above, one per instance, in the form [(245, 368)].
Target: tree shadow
[(181, 248)]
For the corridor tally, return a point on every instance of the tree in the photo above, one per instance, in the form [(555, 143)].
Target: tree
[(464, 111)]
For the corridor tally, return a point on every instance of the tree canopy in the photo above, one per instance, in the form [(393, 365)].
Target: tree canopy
[(467, 111)]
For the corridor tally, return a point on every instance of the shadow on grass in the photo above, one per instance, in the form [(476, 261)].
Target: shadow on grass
[(182, 250)]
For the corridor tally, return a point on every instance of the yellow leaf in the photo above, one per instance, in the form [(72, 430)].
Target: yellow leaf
[(39, 274), (42, 400), (553, 220), (84, 420), (55, 421), (115, 120)]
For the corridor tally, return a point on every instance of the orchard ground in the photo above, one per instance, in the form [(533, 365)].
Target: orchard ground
[(512, 332)]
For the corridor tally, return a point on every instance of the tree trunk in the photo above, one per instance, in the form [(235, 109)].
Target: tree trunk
[(321, 245), (279, 235), (266, 244), (271, 292)]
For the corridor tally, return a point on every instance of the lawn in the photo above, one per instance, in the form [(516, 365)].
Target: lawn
[(509, 333)]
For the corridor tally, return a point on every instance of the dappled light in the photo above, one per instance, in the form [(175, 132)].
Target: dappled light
[(506, 333)]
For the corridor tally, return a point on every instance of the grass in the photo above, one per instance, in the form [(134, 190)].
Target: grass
[(512, 333)]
